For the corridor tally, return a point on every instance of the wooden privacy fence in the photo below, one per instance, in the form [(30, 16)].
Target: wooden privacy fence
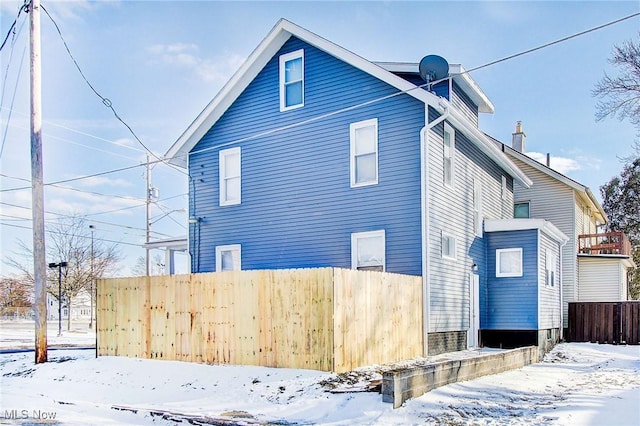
[(605, 322), (323, 319)]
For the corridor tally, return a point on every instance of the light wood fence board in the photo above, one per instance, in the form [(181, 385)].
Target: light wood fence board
[(324, 319)]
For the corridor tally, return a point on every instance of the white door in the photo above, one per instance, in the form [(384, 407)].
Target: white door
[(474, 310)]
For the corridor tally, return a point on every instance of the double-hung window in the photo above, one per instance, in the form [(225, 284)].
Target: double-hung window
[(448, 159), (509, 262), (228, 258), (364, 152), (368, 251), (292, 80), (230, 176)]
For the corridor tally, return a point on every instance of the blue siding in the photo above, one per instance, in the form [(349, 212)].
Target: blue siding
[(512, 303), (298, 209)]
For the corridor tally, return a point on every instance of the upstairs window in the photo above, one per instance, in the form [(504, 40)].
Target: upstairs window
[(509, 262), (368, 251), (230, 179), (292, 80), (228, 258), (449, 143), (364, 152), (521, 210)]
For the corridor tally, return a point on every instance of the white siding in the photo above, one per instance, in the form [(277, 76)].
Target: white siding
[(554, 201), (602, 279), (548, 296), (451, 211)]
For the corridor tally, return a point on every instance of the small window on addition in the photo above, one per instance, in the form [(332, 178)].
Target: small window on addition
[(509, 262), (368, 251)]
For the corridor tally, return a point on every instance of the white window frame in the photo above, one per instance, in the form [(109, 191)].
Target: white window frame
[(224, 201), (477, 207), (499, 253), (369, 234), (283, 62), (453, 245), (353, 127), (528, 203), (550, 271), (236, 249), (448, 156), (503, 192)]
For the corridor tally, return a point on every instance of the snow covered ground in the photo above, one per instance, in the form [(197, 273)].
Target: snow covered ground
[(577, 384)]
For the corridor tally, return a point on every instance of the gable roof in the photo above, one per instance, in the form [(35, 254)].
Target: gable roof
[(584, 192), (283, 30), (457, 73)]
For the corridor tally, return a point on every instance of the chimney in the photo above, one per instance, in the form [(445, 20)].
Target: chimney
[(548, 159), (518, 142)]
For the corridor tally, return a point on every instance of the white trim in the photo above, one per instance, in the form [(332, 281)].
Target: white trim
[(369, 234), (447, 236), (223, 177), (353, 127), (298, 54), (448, 129), (236, 251), (499, 252), (498, 225)]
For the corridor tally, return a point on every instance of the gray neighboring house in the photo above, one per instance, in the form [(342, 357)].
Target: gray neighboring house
[(594, 263)]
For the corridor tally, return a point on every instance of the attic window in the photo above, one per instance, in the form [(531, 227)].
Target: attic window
[(449, 145), (292, 80)]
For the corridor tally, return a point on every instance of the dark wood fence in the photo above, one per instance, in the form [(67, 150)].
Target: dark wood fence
[(604, 322)]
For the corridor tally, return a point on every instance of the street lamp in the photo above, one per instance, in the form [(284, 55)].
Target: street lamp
[(60, 266), (92, 282)]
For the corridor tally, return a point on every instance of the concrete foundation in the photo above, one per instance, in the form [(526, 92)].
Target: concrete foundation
[(405, 383)]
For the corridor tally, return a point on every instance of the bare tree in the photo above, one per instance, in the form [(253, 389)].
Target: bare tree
[(15, 296), (620, 95), (69, 240), (156, 266)]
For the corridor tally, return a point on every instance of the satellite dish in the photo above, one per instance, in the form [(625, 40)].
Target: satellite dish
[(433, 67)]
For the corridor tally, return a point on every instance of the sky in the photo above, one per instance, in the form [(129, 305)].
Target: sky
[(160, 63)]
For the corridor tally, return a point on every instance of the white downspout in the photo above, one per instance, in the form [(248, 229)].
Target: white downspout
[(424, 220), (561, 298)]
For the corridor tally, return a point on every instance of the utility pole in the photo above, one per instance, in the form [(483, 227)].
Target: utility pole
[(149, 193), (37, 191), (91, 293)]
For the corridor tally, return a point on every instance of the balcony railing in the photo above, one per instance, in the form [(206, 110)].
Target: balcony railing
[(604, 243)]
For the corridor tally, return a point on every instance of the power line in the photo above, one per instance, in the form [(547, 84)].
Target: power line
[(107, 102), (15, 21), (132, 207), (76, 189), (71, 217), (81, 236)]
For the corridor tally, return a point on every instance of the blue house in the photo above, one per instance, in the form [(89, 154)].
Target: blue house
[(311, 156)]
